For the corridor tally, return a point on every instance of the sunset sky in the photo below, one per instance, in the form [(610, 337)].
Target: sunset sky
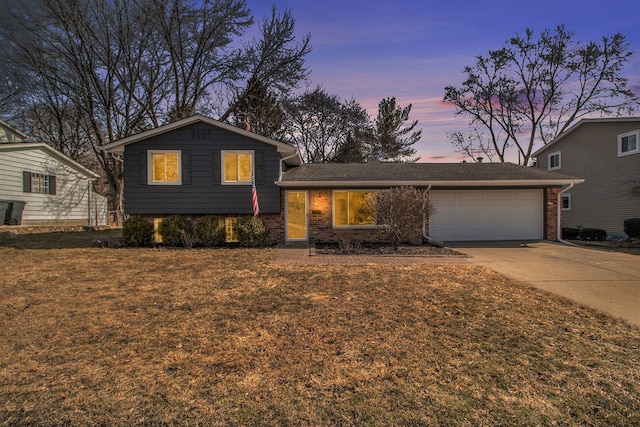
[(412, 49)]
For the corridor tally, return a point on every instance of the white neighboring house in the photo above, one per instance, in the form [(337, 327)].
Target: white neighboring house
[(56, 190), (10, 134)]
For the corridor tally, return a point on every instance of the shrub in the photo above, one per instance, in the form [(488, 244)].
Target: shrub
[(252, 232), (632, 227), (210, 230), (593, 234), (570, 233), (403, 211), (176, 230), (137, 232)]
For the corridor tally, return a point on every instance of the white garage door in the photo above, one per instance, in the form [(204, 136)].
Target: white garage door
[(486, 215)]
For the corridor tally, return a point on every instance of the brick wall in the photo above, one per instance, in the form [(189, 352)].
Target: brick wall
[(551, 213)]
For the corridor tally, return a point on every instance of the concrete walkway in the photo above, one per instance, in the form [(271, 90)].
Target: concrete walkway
[(608, 281)]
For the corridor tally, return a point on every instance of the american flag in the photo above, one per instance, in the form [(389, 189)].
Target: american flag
[(254, 197)]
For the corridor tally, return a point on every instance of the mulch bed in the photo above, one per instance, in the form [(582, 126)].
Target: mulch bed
[(351, 248)]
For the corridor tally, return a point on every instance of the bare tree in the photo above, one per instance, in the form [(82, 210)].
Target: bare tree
[(318, 124), (109, 69), (402, 210), (198, 44), (534, 88), (275, 66)]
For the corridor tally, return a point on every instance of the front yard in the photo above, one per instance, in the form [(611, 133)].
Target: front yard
[(224, 337)]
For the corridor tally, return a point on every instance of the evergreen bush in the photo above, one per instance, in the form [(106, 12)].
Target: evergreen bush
[(252, 232), (210, 230), (176, 231), (632, 227), (137, 232)]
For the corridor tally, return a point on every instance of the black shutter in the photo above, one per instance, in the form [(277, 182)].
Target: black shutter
[(143, 168), (186, 167), (52, 184), (258, 156), (26, 182), (217, 169)]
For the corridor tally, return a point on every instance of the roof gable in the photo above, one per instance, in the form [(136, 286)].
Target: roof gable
[(21, 135), (580, 124), (117, 147), (32, 146)]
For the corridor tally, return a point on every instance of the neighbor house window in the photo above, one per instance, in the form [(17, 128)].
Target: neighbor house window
[(237, 167), (165, 167), (38, 183), (354, 208), (554, 161), (566, 202), (628, 143)]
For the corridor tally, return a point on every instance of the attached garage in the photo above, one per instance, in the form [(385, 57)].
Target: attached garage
[(487, 215)]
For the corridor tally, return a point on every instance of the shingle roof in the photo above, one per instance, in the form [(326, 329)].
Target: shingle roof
[(443, 174)]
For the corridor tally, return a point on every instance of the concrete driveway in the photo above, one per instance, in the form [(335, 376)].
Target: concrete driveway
[(608, 281)]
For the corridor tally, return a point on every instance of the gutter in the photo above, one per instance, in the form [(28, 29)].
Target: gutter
[(282, 163), (559, 216), (438, 184)]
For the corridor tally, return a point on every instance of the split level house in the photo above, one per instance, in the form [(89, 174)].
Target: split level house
[(39, 185), (606, 153), (199, 166)]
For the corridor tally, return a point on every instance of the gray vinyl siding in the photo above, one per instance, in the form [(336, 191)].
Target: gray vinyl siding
[(591, 152), (201, 192)]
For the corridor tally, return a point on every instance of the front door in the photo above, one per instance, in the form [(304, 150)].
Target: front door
[(296, 216)]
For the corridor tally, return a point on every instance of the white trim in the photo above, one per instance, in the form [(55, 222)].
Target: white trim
[(223, 163), (568, 196), (552, 155), (635, 133), (150, 180)]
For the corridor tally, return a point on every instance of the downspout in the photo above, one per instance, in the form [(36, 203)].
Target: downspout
[(89, 182), (282, 163), (559, 216), (424, 228)]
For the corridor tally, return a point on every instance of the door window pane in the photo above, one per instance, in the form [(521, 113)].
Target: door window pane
[(296, 215)]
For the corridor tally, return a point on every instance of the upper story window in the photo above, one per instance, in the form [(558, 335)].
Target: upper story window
[(165, 167), (38, 183), (628, 143), (237, 167), (354, 208), (554, 161)]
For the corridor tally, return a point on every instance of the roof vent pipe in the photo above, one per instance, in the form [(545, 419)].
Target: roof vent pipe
[(480, 159)]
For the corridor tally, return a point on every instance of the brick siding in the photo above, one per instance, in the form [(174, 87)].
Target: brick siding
[(551, 214)]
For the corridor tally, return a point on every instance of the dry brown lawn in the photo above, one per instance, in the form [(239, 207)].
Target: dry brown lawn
[(94, 336)]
